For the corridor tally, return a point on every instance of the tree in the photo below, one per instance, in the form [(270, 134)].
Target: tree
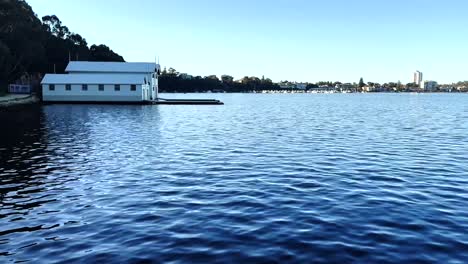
[(227, 78), (29, 45), (22, 41), (78, 40), (361, 83), (104, 53), (172, 72), (212, 77), (6, 65), (54, 25)]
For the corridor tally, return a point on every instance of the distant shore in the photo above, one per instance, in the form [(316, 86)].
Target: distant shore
[(320, 92)]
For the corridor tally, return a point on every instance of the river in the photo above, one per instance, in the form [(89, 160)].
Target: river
[(265, 178)]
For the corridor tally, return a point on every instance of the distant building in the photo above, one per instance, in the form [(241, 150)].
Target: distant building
[(346, 86), (301, 86), (446, 88), (19, 89), (369, 88), (462, 88), (430, 86), (28, 83), (418, 78), (287, 85)]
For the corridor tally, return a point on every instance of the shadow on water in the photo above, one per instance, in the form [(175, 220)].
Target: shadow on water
[(23, 170), (22, 155), (51, 160)]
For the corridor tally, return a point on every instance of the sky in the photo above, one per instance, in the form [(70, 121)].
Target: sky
[(294, 40)]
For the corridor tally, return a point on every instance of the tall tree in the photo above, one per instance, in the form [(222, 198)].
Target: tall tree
[(227, 78), (22, 40), (361, 83), (29, 45), (104, 53)]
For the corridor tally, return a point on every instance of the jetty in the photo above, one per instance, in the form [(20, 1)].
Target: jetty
[(161, 101)]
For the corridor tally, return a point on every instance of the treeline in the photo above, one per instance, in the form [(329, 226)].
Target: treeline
[(172, 81), (31, 46)]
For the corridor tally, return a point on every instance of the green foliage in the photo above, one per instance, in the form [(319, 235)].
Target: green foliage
[(361, 83), (103, 53), (172, 72), (29, 45), (411, 85), (53, 25), (329, 84), (227, 79), (172, 81), (21, 40)]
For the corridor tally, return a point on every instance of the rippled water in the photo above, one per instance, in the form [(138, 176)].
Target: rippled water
[(265, 178)]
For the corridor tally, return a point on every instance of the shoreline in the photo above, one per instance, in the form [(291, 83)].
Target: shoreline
[(16, 100), (312, 92)]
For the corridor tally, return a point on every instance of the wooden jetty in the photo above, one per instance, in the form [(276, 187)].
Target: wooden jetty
[(161, 101)]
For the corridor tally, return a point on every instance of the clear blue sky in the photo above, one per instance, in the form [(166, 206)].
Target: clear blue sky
[(295, 40)]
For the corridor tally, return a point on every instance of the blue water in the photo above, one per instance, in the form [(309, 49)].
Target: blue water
[(306, 178)]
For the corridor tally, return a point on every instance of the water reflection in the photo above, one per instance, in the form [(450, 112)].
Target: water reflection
[(54, 156)]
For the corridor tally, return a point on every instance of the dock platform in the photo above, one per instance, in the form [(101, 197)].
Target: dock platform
[(161, 101)]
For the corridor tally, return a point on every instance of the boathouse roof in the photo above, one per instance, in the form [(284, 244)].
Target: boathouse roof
[(93, 79), (111, 67)]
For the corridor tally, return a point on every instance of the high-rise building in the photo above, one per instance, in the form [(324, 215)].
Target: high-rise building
[(418, 78)]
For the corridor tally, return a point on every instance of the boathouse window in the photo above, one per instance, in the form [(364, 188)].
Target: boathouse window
[(101, 87), (68, 87), (84, 87), (51, 87), (117, 87), (133, 87)]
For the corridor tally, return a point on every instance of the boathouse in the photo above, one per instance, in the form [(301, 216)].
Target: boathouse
[(86, 81)]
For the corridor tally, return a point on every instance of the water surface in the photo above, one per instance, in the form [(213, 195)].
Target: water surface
[(297, 178)]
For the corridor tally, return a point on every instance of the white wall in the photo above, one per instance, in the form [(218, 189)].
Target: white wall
[(149, 79), (92, 94), (146, 92)]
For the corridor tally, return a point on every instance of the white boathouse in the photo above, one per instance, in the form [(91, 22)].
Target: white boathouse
[(85, 81)]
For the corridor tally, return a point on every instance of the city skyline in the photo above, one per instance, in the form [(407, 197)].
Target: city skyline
[(295, 41)]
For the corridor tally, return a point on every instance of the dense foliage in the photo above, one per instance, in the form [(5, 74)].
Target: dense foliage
[(30, 45), (172, 81)]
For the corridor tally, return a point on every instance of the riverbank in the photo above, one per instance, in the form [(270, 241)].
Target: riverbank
[(17, 99)]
